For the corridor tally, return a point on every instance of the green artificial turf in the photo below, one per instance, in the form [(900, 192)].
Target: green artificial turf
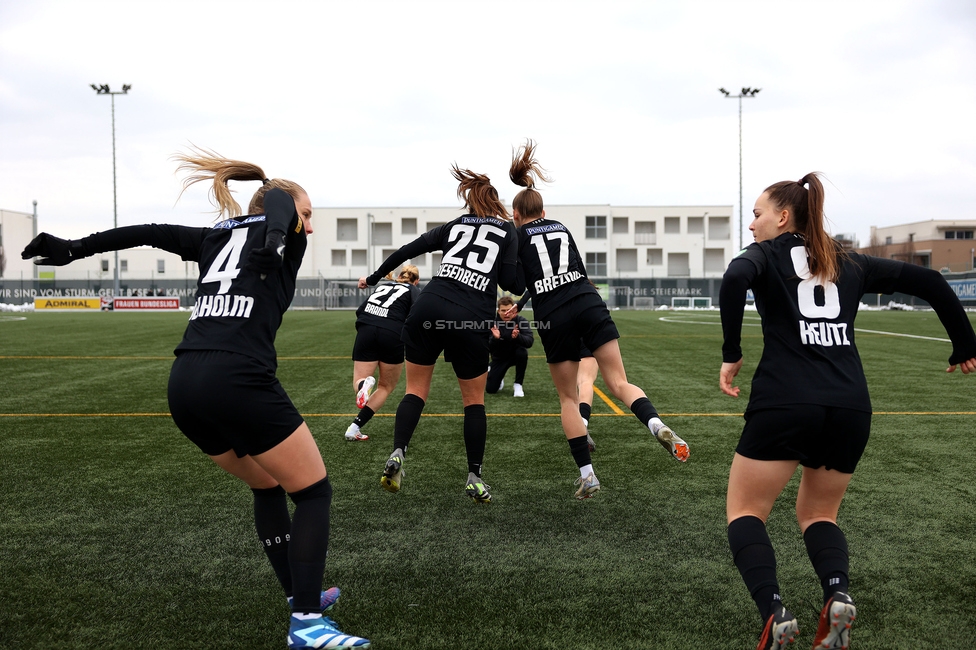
[(116, 532)]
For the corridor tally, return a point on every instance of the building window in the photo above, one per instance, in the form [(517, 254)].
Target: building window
[(104, 266), (714, 260), (654, 257), (388, 251), (382, 234), (596, 263), (645, 232), (672, 225), (596, 228), (678, 264), (887, 241), (123, 266), (958, 234), (160, 266), (433, 224), (696, 225), (359, 257), (435, 262), (338, 257), (626, 260), (408, 226), (347, 229), (718, 228), (419, 261), (621, 225)]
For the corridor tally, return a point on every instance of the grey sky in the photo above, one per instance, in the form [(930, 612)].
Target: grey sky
[(368, 103)]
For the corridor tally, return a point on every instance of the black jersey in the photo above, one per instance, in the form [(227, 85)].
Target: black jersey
[(388, 306), (480, 254), (236, 309), (505, 346), (809, 356), (550, 266)]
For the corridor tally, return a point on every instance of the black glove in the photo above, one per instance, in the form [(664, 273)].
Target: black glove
[(270, 258), (53, 250)]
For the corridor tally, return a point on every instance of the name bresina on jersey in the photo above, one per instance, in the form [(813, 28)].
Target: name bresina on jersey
[(548, 284), (464, 276), (825, 334), (376, 310), (222, 305)]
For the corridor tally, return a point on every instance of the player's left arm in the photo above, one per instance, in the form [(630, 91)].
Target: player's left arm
[(732, 303), (181, 240)]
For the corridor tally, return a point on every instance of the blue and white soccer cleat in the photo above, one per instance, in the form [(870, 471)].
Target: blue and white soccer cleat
[(320, 632), (329, 598)]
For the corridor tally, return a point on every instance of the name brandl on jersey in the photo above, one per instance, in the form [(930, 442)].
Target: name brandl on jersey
[(550, 283)]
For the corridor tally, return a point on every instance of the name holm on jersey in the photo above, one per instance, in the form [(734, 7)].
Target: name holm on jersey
[(464, 276), (222, 305), (825, 334)]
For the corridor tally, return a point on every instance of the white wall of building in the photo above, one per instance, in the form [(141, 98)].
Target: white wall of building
[(16, 231), (919, 231)]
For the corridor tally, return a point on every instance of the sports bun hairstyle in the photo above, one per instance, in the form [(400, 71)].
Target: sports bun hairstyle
[(409, 273), (206, 165), (479, 196), (806, 210), (525, 170)]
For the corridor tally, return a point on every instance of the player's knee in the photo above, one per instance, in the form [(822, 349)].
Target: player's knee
[(319, 490)]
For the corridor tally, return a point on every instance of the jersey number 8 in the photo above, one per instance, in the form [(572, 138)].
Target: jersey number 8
[(806, 300)]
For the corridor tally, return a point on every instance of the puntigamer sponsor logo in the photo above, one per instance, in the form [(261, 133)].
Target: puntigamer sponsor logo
[(67, 303)]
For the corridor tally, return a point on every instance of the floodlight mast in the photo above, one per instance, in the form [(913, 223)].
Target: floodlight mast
[(745, 92), (103, 89)]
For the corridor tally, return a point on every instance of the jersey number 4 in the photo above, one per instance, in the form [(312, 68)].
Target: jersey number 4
[(463, 234), (806, 291), (224, 268)]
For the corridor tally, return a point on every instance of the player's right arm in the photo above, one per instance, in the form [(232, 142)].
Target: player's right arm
[(181, 240)]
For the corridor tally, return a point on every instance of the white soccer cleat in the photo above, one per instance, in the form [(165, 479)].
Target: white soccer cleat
[(517, 391), (362, 397), (353, 434)]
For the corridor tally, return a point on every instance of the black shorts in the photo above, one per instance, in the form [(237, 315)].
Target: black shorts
[(377, 344), (225, 400), (582, 323), (817, 436), (437, 325), (584, 351)]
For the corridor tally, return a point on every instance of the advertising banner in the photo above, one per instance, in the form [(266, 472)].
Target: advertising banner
[(146, 304), (65, 304)]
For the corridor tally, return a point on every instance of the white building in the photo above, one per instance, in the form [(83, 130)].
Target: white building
[(615, 242), (16, 231)]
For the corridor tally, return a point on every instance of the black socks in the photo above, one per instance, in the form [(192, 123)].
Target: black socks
[(753, 555), (475, 434), (644, 410), (365, 414), (580, 451), (407, 418), (827, 548), (309, 545), (273, 523), (585, 410)]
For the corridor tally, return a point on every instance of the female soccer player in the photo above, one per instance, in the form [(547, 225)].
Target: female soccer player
[(572, 310), (379, 323), (223, 393), (453, 315), (809, 403)]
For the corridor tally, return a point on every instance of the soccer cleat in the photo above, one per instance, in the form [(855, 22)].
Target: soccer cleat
[(353, 434), (501, 385), (677, 447), (393, 472), (320, 632), (517, 391), (362, 397), (781, 629), (477, 489), (588, 486), (329, 598), (589, 442), (834, 630)]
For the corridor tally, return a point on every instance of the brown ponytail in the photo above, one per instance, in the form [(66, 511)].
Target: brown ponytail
[(524, 171), (409, 274), (205, 165), (806, 208), (478, 194)]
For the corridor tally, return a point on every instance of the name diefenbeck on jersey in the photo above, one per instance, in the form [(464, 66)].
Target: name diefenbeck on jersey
[(548, 284), (464, 276), (825, 334), (222, 305), (376, 310)]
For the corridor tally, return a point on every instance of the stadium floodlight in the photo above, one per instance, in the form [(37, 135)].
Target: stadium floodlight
[(745, 92), (103, 89)]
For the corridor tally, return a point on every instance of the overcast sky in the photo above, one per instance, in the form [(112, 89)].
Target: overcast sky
[(369, 103)]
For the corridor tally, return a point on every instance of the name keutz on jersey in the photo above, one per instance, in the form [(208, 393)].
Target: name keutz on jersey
[(553, 277), (453, 267), (224, 268), (817, 299)]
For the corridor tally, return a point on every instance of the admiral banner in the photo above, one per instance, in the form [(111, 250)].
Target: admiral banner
[(67, 304), (145, 304)]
